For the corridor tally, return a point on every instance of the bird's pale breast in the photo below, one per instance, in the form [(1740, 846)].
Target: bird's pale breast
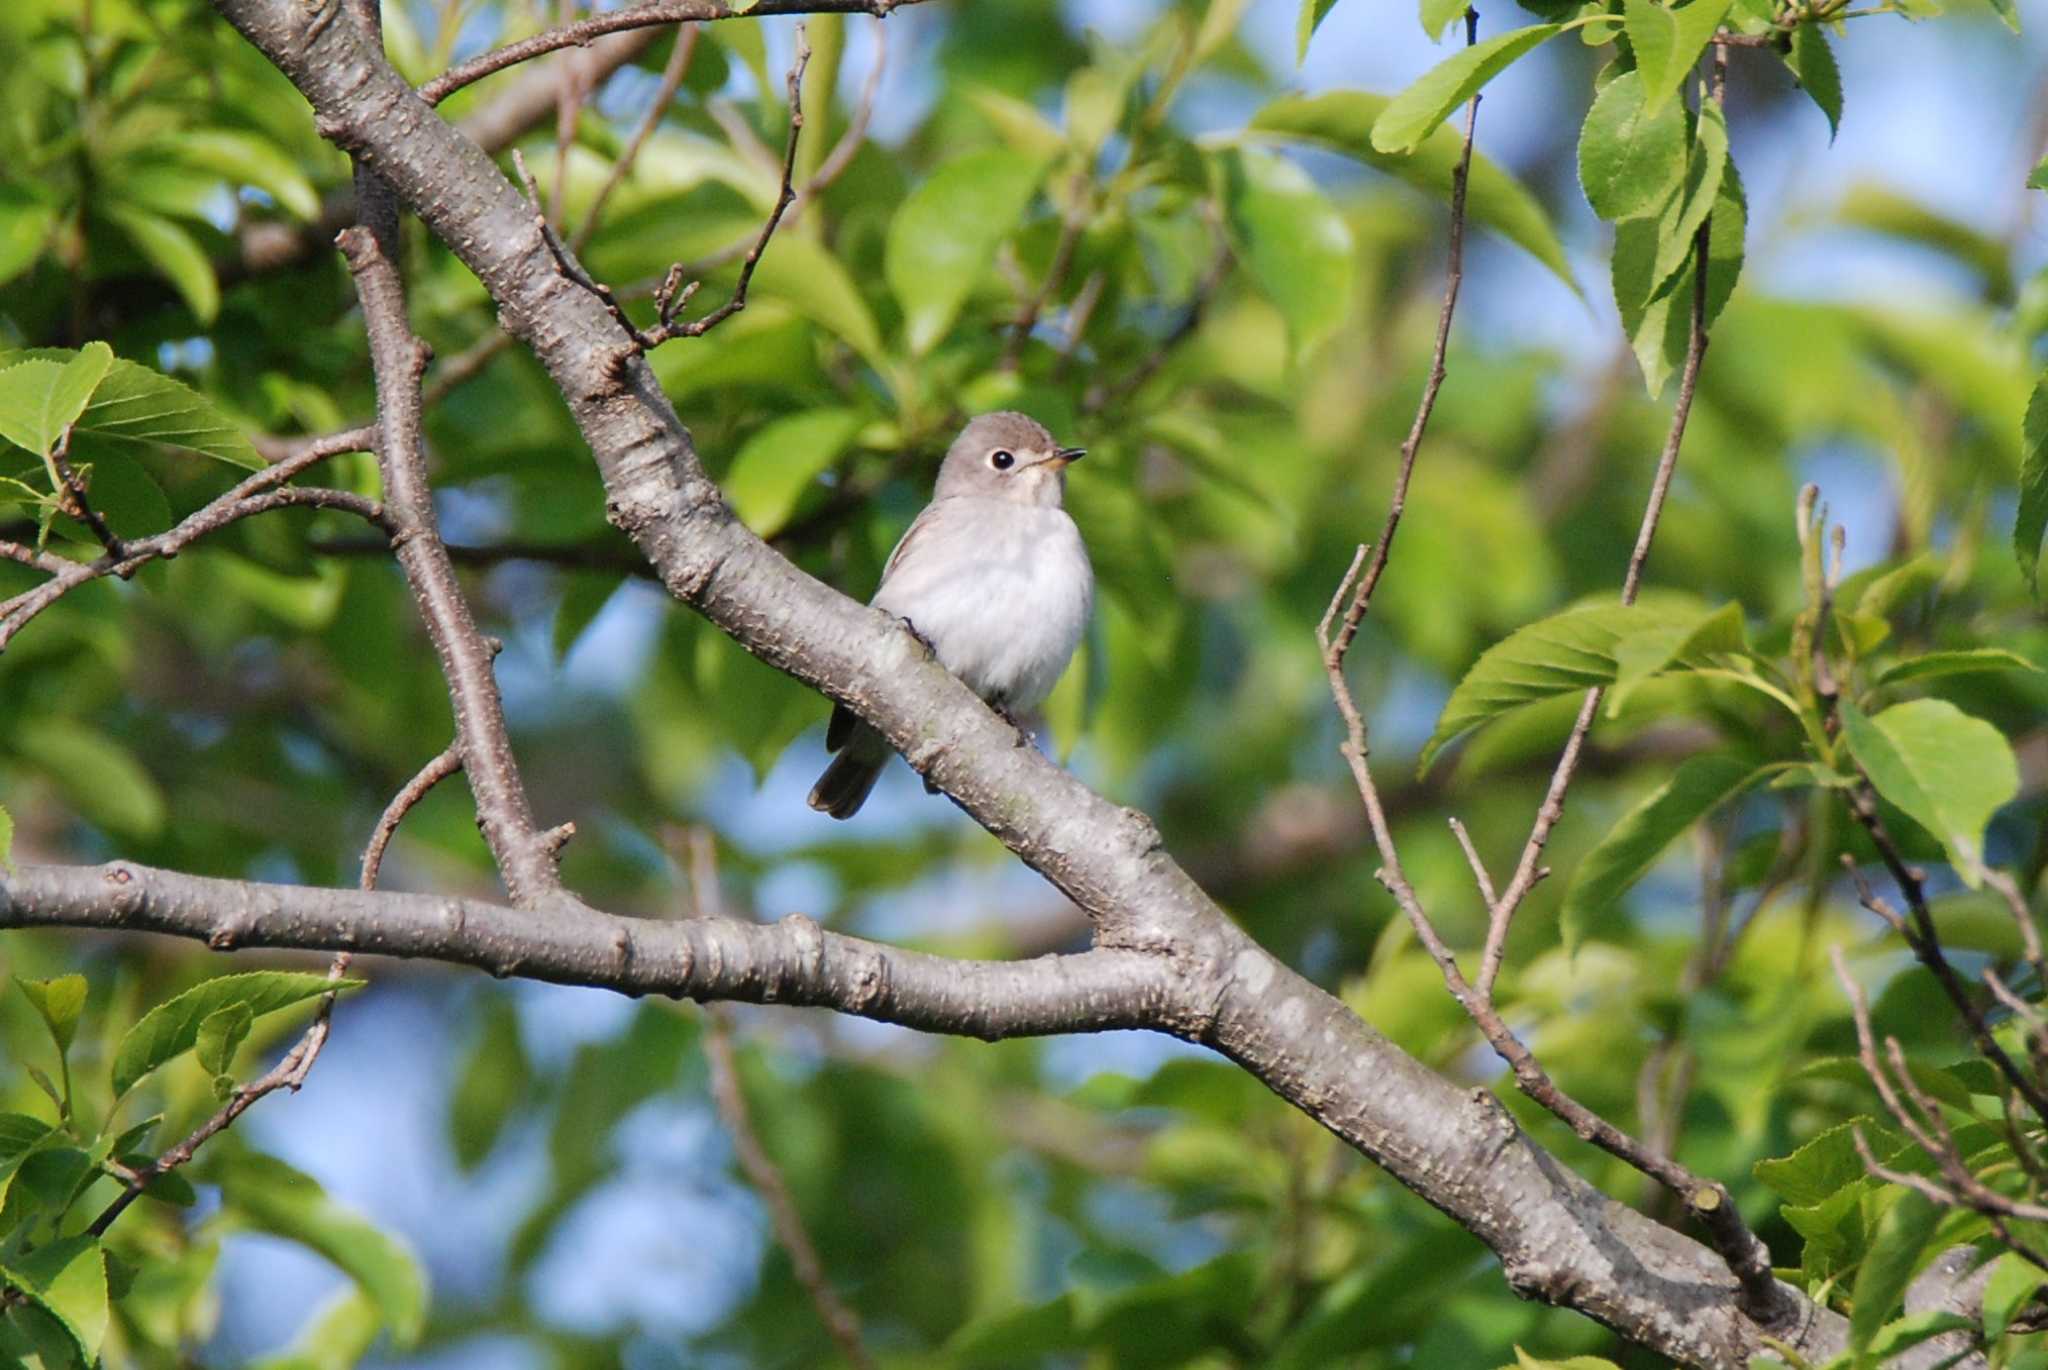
[(1001, 590)]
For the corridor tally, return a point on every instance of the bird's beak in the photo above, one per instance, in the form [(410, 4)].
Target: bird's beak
[(1066, 455)]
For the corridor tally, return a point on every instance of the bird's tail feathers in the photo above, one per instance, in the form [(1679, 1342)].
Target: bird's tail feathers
[(846, 783)]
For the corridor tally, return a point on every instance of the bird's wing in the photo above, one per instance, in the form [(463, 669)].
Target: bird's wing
[(924, 520)]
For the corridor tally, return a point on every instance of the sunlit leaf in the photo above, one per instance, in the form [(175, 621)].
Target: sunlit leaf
[(1416, 112), (1895, 1254), (1343, 120), (1630, 156), (1960, 662), (58, 1002), (68, 1279), (172, 1028), (172, 250), (101, 778), (1813, 62), (1948, 771), (1668, 43), (1308, 20), (41, 397), (777, 464), (134, 404), (945, 235), (1292, 239), (2032, 519)]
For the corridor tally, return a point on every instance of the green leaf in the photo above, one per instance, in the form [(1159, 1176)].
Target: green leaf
[(1630, 157), (2033, 513), (1656, 311), (1813, 63), (58, 1002), (101, 778), (493, 1081), (1698, 787), (1822, 1165), (40, 398), (246, 160), (220, 1033), (1571, 651), (173, 252), (1292, 240), (1668, 42), (1436, 15), (1948, 771), (68, 1279), (1689, 206), (172, 1028), (6, 841), (137, 405), (807, 275), (1962, 662), (338, 1337), (2037, 179), (1907, 1332), (2014, 1282), (1342, 120), (1525, 1361), (1895, 1253), (273, 1197), (1415, 113), (25, 224), (1307, 21), (779, 463), (1653, 651), (946, 233)]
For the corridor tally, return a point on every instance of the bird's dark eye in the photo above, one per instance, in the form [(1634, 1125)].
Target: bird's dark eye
[(1001, 460)]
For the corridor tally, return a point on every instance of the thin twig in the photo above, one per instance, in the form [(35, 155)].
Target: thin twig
[(639, 16), (430, 775), (1528, 869), (1072, 223), (620, 560), (526, 856), (72, 496)]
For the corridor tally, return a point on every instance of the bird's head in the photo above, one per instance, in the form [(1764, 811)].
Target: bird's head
[(1006, 456)]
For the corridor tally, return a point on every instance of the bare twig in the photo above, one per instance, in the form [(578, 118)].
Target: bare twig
[(674, 294), (526, 856), (640, 16), (1072, 223), (430, 775), (72, 496), (620, 560)]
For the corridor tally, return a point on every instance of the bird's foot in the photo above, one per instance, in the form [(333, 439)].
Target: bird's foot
[(1023, 733), (922, 640)]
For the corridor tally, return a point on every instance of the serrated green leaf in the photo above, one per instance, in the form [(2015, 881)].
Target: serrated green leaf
[(1948, 771), (1343, 121), (273, 1197), (946, 233), (1825, 1163), (58, 1001), (1633, 845), (1658, 317), (1668, 42), (777, 464), (1306, 22), (41, 397), (2014, 1282), (1292, 240), (1896, 1251), (1640, 656), (1630, 158), (1567, 652), (220, 1033), (1415, 113), (174, 253), (1962, 662), (2032, 520), (1689, 206), (100, 777), (137, 405), (172, 1028), (67, 1278), (1813, 63)]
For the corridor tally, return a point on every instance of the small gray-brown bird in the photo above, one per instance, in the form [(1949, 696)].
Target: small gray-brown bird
[(993, 575)]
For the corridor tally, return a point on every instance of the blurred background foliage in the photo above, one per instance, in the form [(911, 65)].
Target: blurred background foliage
[(1230, 296)]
